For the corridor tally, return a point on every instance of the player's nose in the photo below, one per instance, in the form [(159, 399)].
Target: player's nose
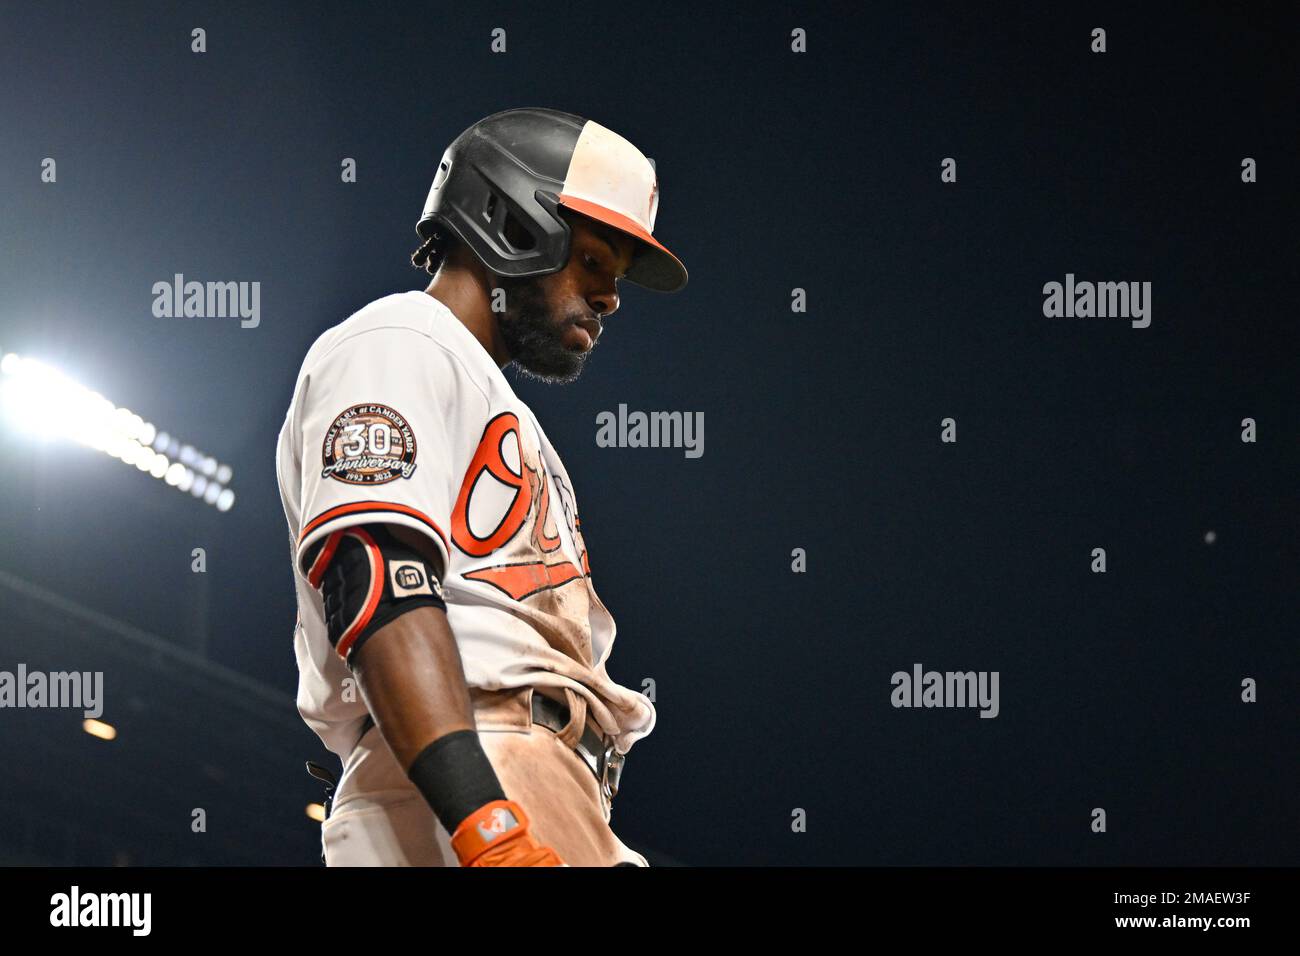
[(604, 302)]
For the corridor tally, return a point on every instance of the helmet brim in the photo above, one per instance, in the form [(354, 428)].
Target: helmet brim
[(653, 266)]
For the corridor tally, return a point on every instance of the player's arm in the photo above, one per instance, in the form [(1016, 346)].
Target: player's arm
[(410, 673), (386, 616)]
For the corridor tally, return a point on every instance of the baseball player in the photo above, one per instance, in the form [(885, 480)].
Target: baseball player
[(451, 647)]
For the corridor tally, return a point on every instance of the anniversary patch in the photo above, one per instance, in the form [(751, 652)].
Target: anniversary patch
[(368, 445)]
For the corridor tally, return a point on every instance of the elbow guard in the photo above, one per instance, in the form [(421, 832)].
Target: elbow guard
[(367, 579)]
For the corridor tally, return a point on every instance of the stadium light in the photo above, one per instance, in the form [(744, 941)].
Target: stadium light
[(97, 728), (44, 404)]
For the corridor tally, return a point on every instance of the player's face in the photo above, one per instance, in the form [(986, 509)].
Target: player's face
[(552, 322)]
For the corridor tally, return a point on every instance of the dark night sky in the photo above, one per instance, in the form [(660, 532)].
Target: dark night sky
[(777, 171)]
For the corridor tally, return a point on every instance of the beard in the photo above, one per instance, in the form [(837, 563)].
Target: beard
[(534, 334)]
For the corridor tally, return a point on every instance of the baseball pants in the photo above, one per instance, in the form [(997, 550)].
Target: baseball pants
[(380, 819)]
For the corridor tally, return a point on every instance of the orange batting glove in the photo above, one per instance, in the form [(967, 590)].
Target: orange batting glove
[(497, 834)]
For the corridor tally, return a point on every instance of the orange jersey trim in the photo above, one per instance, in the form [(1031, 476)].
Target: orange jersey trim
[(373, 507), (362, 620)]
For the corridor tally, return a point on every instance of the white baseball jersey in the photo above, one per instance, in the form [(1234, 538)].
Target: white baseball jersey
[(400, 416)]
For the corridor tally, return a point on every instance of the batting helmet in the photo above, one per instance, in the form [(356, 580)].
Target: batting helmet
[(525, 164)]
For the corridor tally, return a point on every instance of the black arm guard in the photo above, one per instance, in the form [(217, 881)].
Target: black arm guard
[(368, 579)]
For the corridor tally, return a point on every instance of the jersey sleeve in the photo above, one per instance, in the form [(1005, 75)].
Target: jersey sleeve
[(377, 425)]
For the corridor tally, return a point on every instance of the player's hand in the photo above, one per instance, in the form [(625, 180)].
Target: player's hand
[(497, 834)]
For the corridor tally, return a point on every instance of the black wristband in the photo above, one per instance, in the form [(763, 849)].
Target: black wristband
[(455, 776)]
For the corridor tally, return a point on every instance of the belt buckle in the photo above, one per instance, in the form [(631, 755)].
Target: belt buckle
[(611, 769)]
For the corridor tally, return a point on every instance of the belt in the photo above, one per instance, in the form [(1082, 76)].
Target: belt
[(600, 756)]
